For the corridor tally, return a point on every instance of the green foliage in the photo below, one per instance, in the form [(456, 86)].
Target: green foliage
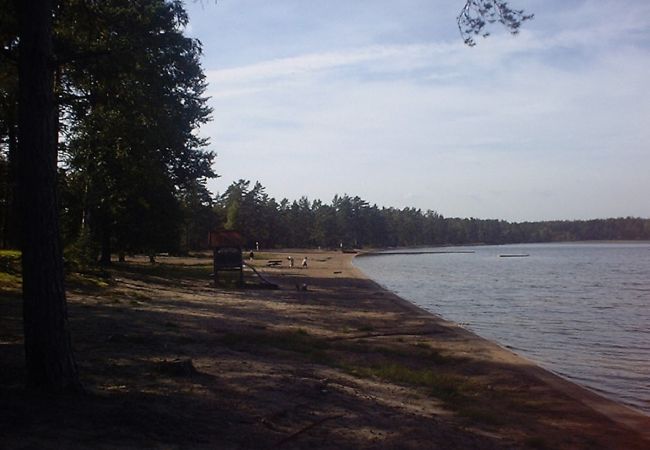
[(10, 261), (353, 222), (81, 255), (131, 108), (130, 95), (477, 14), (10, 278), (251, 212), (443, 386), (297, 341), (169, 272)]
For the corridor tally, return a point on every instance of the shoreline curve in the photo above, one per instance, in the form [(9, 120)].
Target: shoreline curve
[(620, 413)]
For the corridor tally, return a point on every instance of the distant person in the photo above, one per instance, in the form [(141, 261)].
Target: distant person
[(304, 262), (257, 246), (251, 255), (290, 258)]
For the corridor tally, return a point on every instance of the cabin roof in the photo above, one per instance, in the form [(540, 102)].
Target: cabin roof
[(225, 238)]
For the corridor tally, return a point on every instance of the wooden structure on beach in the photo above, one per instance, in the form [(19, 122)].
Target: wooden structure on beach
[(227, 253)]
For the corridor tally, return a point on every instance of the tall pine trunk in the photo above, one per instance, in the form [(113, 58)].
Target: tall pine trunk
[(48, 350), (106, 229)]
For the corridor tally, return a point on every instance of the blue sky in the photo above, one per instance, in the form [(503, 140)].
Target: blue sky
[(381, 99)]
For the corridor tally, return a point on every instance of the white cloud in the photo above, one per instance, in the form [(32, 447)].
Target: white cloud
[(545, 125)]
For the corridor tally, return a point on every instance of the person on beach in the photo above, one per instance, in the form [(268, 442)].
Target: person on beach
[(251, 255), (290, 258), (304, 262)]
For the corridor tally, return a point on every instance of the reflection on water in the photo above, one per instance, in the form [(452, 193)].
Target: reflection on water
[(580, 310)]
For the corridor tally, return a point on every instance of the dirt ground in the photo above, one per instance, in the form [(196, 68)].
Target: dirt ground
[(328, 361)]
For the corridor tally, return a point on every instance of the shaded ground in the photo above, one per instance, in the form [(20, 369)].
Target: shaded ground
[(170, 362)]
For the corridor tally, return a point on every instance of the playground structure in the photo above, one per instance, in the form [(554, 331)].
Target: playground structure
[(226, 254), (227, 257)]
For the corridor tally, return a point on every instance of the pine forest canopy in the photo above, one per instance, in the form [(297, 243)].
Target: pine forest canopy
[(353, 222), (130, 93)]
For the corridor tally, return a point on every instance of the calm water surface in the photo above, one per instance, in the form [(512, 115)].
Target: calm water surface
[(580, 310)]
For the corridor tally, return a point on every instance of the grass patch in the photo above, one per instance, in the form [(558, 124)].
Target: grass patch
[(168, 271), (10, 283), (11, 275), (429, 354), (440, 385), (485, 416), (263, 255), (298, 341), (10, 278), (10, 261), (87, 280), (420, 353)]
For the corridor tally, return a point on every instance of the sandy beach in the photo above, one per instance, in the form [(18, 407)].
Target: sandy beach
[(328, 361)]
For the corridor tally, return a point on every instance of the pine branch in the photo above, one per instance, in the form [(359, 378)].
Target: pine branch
[(476, 15)]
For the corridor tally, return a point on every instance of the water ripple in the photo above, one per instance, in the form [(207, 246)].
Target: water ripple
[(580, 310)]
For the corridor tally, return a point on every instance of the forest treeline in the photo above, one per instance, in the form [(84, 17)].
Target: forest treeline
[(352, 222), (347, 221)]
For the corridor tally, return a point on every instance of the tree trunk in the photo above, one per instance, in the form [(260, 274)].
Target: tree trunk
[(48, 351), (105, 254)]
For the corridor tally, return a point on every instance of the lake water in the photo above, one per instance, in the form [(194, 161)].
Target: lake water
[(580, 310)]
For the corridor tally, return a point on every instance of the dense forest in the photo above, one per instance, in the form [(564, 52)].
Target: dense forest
[(128, 99), (181, 224), (352, 222)]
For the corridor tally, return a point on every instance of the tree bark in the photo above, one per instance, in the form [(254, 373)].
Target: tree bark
[(48, 351), (105, 254)]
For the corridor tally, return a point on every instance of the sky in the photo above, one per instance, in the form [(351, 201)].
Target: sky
[(381, 99)]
